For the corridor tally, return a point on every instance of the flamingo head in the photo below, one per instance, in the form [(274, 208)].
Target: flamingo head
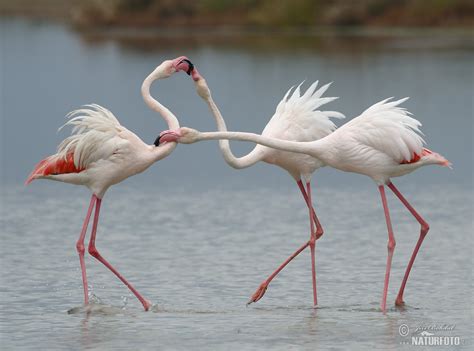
[(182, 135), (182, 63)]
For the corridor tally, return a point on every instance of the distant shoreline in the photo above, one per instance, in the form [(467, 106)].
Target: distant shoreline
[(235, 17), (245, 31)]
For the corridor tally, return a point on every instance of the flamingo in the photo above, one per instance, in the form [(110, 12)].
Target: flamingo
[(296, 118), (382, 143), (100, 153)]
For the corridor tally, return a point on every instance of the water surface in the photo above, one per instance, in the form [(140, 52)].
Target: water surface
[(199, 256), (197, 237)]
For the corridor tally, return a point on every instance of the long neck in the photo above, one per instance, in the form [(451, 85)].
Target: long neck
[(313, 148), (152, 103), (168, 116), (236, 162)]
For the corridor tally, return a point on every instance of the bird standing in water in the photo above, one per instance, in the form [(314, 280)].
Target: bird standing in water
[(296, 118), (100, 153), (383, 142)]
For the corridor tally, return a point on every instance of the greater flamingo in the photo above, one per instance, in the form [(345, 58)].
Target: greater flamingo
[(382, 143), (296, 118), (100, 153)]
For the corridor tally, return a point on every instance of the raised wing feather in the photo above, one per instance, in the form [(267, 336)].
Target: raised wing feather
[(389, 128), (300, 112), (93, 135)]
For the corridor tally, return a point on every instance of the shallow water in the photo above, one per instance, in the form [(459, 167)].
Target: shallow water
[(199, 256), (197, 237)]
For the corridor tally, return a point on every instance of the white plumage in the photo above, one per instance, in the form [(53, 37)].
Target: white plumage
[(300, 111), (94, 135), (101, 152), (297, 118), (388, 128), (383, 142)]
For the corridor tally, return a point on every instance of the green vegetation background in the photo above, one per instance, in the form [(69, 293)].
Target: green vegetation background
[(250, 13)]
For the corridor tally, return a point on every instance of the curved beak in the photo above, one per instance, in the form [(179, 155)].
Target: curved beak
[(183, 64), (167, 136)]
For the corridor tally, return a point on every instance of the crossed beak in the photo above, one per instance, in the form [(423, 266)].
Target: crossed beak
[(167, 136), (184, 64)]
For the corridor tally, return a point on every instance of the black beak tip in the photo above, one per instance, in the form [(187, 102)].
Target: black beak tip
[(191, 66), (157, 141)]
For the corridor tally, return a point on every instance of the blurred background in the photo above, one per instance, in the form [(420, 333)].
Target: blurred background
[(58, 55), (256, 13), (196, 236)]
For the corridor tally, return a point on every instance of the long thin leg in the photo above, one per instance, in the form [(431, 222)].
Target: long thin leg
[(391, 246), (424, 230), (263, 287), (258, 294), (95, 253), (80, 249), (312, 246), (319, 227)]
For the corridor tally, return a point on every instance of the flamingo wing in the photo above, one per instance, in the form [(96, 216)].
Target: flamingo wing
[(388, 128), (53, 165), (95, 136), (297, 118), (93, 128)]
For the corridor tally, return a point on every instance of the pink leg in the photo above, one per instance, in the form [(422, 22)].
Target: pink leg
[(319, 227), (95, 253), (263, 287), (312, 245), (390, 246), (80, 249), (424, 230)]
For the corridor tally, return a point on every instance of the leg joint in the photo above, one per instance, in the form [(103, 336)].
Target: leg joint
[(93, 251), (80, 247), (391, 244), (425, 227)]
